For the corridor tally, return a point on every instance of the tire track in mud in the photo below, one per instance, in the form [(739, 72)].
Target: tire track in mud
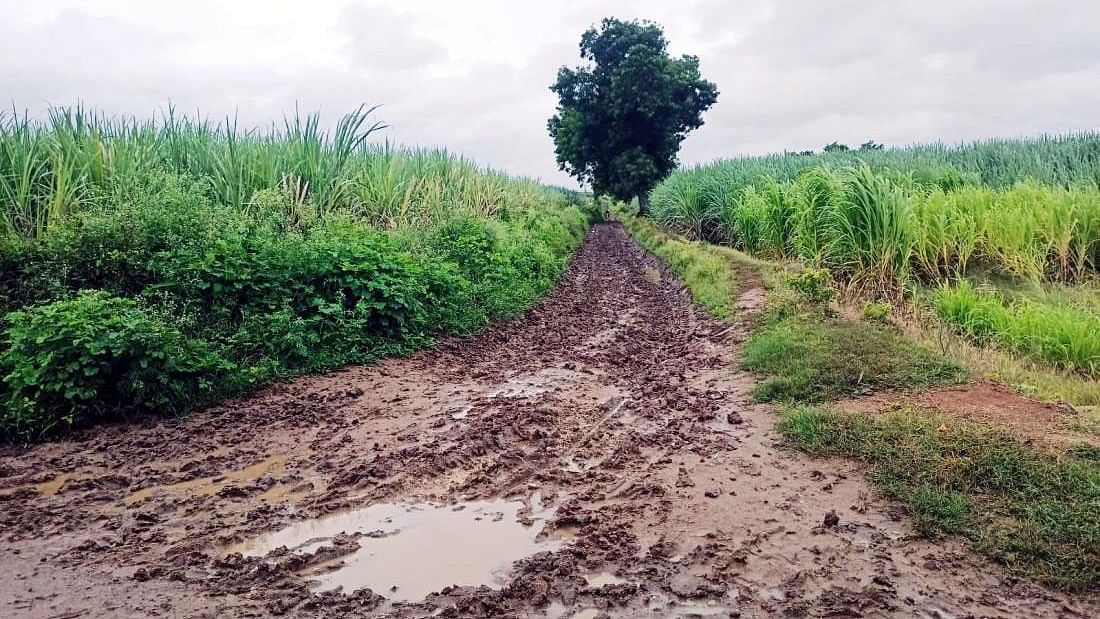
[(612, 411)]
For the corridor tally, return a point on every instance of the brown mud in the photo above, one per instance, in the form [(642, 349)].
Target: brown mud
[(1041, 423), (606, 432)]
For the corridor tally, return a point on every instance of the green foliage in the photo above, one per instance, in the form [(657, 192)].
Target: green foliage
[(814, 285), (876, 311), (620, 121), (264, 255), (1057, 161), (93, 357), (1060, 335), (291, 178), (881, 230), (1037, 512), (809, 359), (870, 238)]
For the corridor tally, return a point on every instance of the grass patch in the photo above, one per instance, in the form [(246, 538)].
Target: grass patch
[(1036, 512), (706, 273), (812, 358)]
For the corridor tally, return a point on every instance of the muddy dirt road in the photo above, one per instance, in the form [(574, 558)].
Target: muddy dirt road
[(599, 456)]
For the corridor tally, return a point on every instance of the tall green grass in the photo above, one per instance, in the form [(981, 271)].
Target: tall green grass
[(1063, 161), (53, 168), (879, 231), (1059, 335)]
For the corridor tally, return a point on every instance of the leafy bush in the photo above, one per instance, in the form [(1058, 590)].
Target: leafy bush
[(284, 252), (94, 356), (814, 285), (271, 305), (876, 312)]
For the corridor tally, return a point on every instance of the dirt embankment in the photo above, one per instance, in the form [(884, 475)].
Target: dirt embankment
[(603, 445)]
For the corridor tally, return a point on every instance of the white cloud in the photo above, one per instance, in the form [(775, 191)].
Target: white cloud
[(474, 76)]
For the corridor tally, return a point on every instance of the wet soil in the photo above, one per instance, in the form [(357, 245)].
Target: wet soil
[(1041, 423), (609, 422)]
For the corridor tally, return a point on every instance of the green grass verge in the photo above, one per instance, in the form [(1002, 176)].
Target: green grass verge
[(1036, 512), (811, 358), (706, 273)]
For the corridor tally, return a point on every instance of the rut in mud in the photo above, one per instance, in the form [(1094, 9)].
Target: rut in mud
[(599, 455)]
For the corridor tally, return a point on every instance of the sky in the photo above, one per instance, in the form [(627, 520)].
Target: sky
[(474, 75)]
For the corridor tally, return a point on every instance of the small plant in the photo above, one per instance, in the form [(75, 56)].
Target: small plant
[(876, 311), (814, 285)]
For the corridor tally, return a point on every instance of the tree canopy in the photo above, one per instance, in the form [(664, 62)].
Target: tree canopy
[(621, 119)]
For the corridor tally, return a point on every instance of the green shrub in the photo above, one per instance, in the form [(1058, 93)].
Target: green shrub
[(27, 275), (285, 252), (876, 312), (72, 362), (814, 285)]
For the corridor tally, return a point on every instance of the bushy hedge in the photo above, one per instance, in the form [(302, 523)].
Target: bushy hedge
[(161, 300), (80, 359)]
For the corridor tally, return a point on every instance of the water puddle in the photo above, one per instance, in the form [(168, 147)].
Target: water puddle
[(52, 487), (566, 533), (206, 486), (663, 606), (579, 385), (409, 551), (557, 610), (572, 465), (603, 579), (522, 388), (698, 610)]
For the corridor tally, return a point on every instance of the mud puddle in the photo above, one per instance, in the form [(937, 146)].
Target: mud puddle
[(408, 551), (207, 486), (552, 380), (603, 579)]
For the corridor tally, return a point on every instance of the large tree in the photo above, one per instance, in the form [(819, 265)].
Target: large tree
[(621, 118)]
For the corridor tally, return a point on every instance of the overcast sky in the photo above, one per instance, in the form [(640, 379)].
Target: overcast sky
[(473, 75)]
